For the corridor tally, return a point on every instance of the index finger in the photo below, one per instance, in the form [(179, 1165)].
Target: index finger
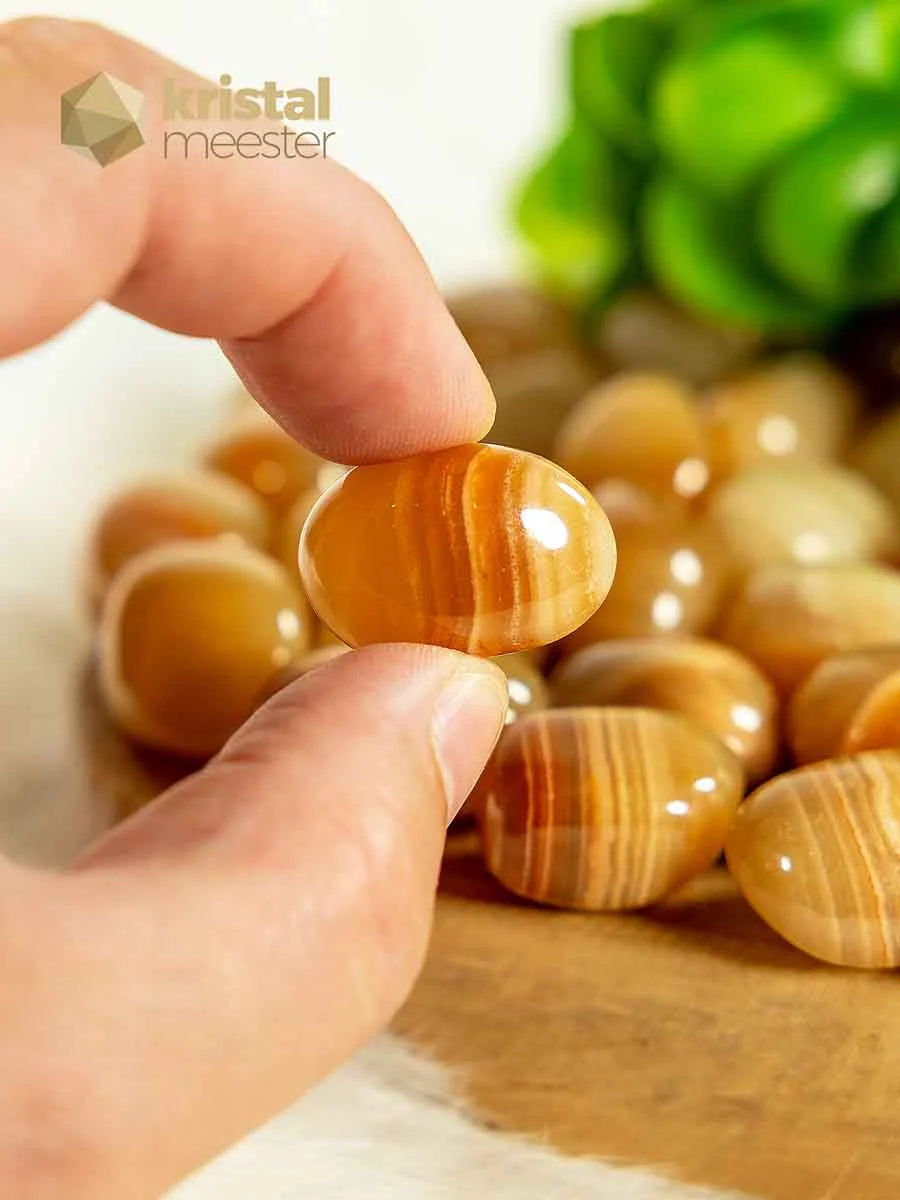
[(311, 284)]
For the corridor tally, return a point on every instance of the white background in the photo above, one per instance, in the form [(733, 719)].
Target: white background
[(436, 102)]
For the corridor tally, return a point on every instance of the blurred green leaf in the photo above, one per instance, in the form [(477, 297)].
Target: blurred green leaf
[(698, 251), (805, 21), (813, 213), (569, 213), (727, 150), (867, 43), (877, 256), (724, 110), (611, 64)]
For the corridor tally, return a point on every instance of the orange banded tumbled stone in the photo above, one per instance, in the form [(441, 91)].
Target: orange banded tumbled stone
[(817, 853), (787, 618), (701, 679), (850, 703), (641, 427), (794, 409), (670, 573), (259, 454), (184, 506), (479, 548), (191, 633), (801, 512), (606, 808)]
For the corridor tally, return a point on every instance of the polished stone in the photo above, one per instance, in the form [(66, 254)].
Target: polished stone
[(644, 428), (787, 618), (849, 703), (642, 330), (701, 679), (793, 409), (670, 576), (478, 548), (259, 454), (606, 808), (817, 854), (801, 512), (508, 322), (188, 505), (190, 635)]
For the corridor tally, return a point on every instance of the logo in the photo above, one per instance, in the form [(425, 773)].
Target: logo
[(226, 121), (101, 119)]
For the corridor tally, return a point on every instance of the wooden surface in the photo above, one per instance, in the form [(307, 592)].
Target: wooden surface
[(688, 1038)]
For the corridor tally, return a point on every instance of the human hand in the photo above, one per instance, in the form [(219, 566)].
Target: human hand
[(214, 956)]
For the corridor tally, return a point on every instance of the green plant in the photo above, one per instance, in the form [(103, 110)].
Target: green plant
[(743, 155)]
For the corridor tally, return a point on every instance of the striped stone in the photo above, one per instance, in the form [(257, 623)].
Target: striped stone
[(787, 617), (606, 808), (711, 683), (850, 703), (817, 854), (479, 548)]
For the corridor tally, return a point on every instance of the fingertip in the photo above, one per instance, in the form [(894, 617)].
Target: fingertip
[(450, 703), (468, 720)]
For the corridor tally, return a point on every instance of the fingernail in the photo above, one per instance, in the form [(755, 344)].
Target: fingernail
[(468, 719)]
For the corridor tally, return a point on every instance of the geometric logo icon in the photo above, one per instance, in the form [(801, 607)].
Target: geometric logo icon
[(101, 119)]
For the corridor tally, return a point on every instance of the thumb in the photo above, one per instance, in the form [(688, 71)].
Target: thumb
[(241, 936)]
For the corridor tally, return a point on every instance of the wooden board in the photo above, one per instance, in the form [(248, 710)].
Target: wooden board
[(689, 1038)]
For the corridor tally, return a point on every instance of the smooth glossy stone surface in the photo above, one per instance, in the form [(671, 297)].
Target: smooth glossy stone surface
[(643, 428), (877, 455), (711, 683), (606, 808), (817, 854), (289, 528), (801, 512), (478, 548), (670, 574), (641, 330), (788, 618), (850, 703), (191, 633), (528, 692), (535, 392), (797, 409), (287, 541), (503, 323), (185, 506), (260, 455)]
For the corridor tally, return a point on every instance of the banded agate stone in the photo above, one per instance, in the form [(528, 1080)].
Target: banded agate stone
[(817, 853), (711, 683), (177, 507), (191, 632), (850, 703), (259, 454), (606, 808), (670, 574), (479, 548), (787, 617)]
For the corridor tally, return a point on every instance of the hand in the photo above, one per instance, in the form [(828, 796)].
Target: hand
[(221, 951)]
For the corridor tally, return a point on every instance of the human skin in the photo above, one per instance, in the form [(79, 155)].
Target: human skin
[(215, 955)]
